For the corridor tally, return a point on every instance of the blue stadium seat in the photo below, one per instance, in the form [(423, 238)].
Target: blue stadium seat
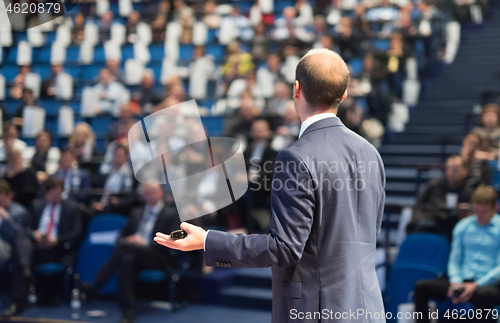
[(50, 37), (12, 56), (213, 125), (72, 54), (51, 107), (99, 55), (100, 124), (43, 55), (91, 73), (211, 37), (127, 52), (216, 50), (51, 124), (42, 70), (421, 256), (9, 72), (92, 256), (186, 52), (74, 71), (357, 66), (380, 44), (157, 53)]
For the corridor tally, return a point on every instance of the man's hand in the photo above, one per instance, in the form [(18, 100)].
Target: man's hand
[(453, 286), (136, 239), (469, 289), (195, 239)]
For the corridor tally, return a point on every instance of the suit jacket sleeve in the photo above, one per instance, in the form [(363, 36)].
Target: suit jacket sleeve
[(292, 207), (9, 228)]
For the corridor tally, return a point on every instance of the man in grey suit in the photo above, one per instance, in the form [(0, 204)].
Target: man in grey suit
[(327, 204)]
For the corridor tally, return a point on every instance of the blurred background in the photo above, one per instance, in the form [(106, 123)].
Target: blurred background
[(425, 89)]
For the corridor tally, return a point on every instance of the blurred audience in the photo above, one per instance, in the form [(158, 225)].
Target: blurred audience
[(489, 130), (437, 208), (473, 274)]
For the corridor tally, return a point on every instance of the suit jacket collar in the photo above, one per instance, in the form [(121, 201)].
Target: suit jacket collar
[(324, 123)]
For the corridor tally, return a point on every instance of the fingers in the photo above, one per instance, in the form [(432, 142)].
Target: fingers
[(187, 227)]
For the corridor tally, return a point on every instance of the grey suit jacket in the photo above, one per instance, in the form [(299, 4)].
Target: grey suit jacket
[(327, 204)]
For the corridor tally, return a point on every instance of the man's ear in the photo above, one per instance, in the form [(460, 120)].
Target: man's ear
[(344, 96), (296, 90)]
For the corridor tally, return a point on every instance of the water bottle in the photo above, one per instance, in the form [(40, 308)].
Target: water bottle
[(76, 302), (32, 299)]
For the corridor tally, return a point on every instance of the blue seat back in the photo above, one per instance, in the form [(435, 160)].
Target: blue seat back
[(421, 256), (94, 254)]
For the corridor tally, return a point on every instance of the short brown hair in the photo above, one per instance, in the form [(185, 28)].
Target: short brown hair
[(485, 195), (5, 187), (323, 83), (53, 182)]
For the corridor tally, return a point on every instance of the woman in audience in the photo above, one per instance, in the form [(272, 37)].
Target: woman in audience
[(77, 32), (489, 130), (82, 144), (477, 160), (22, 180)]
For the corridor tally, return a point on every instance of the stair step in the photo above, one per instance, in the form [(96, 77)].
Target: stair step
[(248, 297)]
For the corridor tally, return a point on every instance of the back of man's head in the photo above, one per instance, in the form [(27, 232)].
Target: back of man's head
[(323, 77)]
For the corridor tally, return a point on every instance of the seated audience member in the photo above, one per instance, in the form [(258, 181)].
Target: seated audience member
[(210, 15), (28, 100), (118, 184), (477, 161), (247, 114), (147, 98), (14, 221), (474, 263), (76, 180), (259, 158), (55, 231), (288, 132), (268, 75), (278, 103), (121, 140), (45, 158), (25, 79), (158, 27), (238, 63), (78, 30), (105, 26), (113, 67), (489, 130), (437, 207), (134, 19), (109, 92), (9, 141), (201, 70), (50, 86), (82, 143), (22, 180), (135, 249), (125, 120)]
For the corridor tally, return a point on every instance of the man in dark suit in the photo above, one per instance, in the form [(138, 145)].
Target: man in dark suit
[(259, 158), (53, 235), (14, 220), (76, 180), (327, 204), (135, 249)]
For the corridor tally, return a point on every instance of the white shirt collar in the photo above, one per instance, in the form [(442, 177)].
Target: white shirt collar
[(313, 119)]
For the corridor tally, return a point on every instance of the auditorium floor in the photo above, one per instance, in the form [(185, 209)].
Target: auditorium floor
[(147, 313)]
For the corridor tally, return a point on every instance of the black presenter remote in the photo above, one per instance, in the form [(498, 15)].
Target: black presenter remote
[(178, 234)]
